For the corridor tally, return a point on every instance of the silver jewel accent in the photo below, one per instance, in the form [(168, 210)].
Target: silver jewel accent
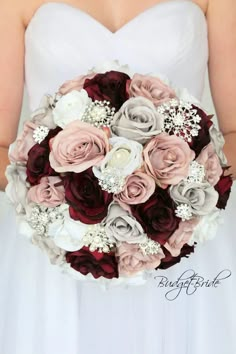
[(111, 180), (99, 114), (184, 212), (180, 118), (196, 173), (40, 133), (40, 218), (97, 240), (150, 247)]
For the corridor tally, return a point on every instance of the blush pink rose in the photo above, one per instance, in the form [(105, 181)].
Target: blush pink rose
[(23, 144), (167, 159), (49, 192), (78, 147), (138, 189), (150, 87), (131, 259), (209, 159), (76, 84), (181, 236)]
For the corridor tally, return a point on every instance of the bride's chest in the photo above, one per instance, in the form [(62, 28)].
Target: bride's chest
[(62, 41)]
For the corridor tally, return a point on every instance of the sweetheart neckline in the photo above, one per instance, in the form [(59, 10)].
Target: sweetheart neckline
[(160, 4)]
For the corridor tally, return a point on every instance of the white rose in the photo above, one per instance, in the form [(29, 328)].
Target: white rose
[(207, 227), (67, 233), (125, 157), (70, 107)]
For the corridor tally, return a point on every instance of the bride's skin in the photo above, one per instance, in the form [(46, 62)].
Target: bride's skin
[(16, 14)]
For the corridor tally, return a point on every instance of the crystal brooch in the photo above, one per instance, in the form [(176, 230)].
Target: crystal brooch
[(180, 118), (150, 247), (97, 240), (111, 180)]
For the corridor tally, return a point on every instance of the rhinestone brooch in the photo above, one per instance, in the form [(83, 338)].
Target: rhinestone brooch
[(111, 180), (41, 217), (97, 239), (40, 133), (180, 118), (150, 247), (196, 173), (184, 212)]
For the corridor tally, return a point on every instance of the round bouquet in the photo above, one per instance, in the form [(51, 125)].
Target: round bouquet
[(118, 174)]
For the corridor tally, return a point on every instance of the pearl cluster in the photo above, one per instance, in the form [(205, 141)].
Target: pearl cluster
[(41, 217), (99, 114), (97, 239), (150, 247), (184, 212), (111, 180), (40, 133), (180, 118)]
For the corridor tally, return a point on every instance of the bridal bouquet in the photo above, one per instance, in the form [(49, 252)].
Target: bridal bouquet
[(118, 174)]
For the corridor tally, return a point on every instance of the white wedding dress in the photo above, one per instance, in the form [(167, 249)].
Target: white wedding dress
[(45, 312)]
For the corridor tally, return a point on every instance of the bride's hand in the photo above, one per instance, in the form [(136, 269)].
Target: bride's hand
[(11, 76), (221, 19)]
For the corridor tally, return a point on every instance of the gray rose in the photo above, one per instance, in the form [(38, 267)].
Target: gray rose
[(17, 190), (55, 254), (123, 227), (137, 120), (43, 114), (218, 141), (201, 197)]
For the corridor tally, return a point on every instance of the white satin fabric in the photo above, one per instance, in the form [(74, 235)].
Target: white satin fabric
[(43, 311)]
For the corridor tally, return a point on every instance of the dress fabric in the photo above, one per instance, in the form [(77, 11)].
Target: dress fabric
[(45, 312)]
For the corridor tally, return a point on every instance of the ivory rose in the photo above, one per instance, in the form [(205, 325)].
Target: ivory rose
[(49, 192), (124, 157), (132, 260), (78, 147), (167, 159), (211, 163), (150, 87)]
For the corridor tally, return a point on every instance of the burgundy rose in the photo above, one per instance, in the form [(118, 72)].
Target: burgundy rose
[(38, 164), (169, 260), (96, 263), (88, 202), (110, 86), (203, 138), (223, 187), (157, 216)]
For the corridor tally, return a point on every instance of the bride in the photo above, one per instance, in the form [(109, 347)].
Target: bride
[(44, 44)]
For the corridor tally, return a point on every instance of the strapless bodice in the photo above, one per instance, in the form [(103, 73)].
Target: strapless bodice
[(62, 42)]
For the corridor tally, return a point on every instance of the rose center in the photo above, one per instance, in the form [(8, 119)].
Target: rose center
[(120, 158)]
